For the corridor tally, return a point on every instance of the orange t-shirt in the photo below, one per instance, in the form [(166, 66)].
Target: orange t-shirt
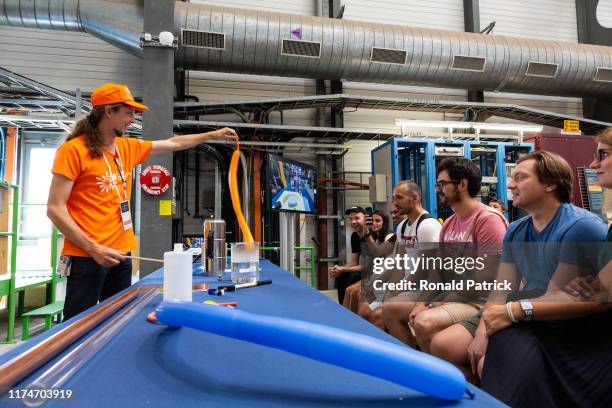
[(93, 202)]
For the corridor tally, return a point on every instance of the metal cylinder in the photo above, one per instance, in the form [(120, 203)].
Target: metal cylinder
[(214, 253), (241, 41)]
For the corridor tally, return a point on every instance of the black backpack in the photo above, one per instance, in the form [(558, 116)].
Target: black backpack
[(422, 218)]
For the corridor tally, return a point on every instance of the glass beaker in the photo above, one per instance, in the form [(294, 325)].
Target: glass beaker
[(245, 262)]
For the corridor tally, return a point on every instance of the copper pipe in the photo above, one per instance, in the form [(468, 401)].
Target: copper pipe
[(15, 370), (257, 159)]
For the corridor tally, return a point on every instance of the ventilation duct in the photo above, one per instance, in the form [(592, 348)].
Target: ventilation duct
[(301, 48), (603, 75), (202, 39), (541, 69), (264, 43), (465, 63), (388, 56)]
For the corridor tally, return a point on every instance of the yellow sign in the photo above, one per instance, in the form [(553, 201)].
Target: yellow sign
[(571, 126), (165, 208)]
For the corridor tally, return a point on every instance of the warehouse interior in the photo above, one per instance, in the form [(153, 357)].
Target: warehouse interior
[(334, 103)]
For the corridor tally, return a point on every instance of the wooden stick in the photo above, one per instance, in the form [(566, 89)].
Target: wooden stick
[(145, 259), (16, 369)]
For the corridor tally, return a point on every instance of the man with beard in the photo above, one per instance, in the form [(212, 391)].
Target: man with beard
[(89, 198), (417, 230), (474, 223), (415, 226)]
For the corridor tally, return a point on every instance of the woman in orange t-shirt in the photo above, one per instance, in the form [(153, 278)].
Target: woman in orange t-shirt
[(90, 193)]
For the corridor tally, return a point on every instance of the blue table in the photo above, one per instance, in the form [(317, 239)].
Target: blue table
[(150, 365)]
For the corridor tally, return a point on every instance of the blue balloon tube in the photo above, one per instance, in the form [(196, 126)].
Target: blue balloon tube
[(392, 362)]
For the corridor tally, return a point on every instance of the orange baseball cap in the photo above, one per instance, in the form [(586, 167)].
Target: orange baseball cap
[(109, 94)]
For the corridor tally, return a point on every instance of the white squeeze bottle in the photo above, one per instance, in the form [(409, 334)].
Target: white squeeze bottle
[(177, 274)]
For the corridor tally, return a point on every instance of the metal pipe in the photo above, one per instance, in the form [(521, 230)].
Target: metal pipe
[(137, 199), (197, 184), (286, 144), (252, 42), (218, 188), (24, 364), (322, 226), (220, 176)]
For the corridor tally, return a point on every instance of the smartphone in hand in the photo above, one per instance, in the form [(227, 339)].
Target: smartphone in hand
[(368, 218)]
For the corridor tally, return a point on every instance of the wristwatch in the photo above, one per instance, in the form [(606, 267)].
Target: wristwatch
[(527, 309)]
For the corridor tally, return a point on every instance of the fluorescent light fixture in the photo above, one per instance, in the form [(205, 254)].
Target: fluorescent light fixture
[(508, 127), (433, 124), (408, 123)]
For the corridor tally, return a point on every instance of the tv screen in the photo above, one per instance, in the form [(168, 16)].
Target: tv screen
[(292, 185)]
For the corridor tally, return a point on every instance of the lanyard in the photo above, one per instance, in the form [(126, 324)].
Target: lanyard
[(121, 173)]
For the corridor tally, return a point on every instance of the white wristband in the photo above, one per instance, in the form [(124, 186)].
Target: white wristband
[(510, 314)]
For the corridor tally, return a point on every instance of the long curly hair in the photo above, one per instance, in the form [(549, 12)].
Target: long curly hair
[(88, 126)]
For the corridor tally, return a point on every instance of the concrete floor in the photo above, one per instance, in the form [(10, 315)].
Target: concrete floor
[(37, 325), (332, 294)]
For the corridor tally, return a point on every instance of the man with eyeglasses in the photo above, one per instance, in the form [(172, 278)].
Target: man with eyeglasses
[(473, 222)]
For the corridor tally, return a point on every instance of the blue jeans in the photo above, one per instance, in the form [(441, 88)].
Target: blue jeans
[(90, 282)]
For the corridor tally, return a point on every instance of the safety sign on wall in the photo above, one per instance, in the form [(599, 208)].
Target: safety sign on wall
[(155, 180)]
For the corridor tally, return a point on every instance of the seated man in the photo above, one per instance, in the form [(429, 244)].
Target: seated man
[(567, 342), (541, 186), (418, 228), (348, 274), (472, 222)]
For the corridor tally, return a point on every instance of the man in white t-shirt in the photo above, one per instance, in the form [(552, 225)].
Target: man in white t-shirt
[(417, 233), (419, 225)]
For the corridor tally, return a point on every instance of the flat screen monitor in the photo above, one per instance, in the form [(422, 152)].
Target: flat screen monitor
[(292, 185)]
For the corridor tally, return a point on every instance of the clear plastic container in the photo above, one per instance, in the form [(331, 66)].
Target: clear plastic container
[(178, 274), (245, 262), (214, 254)]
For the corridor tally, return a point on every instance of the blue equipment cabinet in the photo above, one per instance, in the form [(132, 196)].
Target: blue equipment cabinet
[(416, 160)]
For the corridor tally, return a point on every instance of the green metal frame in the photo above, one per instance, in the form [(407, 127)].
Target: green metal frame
[(49, 311), (54, 277), (13, 271), (311, 250), (15, 306)]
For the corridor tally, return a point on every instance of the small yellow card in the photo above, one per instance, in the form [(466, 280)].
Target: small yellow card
[(165, 208)]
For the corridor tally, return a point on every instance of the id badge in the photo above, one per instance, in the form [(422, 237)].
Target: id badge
[(63, 266), (126, 217)]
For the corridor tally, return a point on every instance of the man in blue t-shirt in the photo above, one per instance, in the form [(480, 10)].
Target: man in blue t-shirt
[(536, 248), (545, 250), (564, 240)]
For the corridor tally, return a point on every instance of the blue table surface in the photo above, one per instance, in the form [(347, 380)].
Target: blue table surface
[(150, 365)]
